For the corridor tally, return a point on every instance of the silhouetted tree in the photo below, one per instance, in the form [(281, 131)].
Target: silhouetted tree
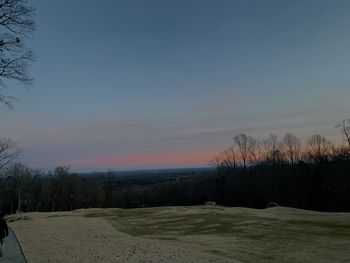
[(255, 150), (344, 127), (20, 192), (272, 149), (18, 173), (340, 153), (292, 148), (244, 144), (60, 188), (16, 24), (318, 148), (226, 160), (8, 152)]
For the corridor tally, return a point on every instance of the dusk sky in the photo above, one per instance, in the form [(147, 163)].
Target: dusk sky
[(139, 84)]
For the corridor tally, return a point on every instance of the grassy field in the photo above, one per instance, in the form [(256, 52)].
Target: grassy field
[(271, 235)]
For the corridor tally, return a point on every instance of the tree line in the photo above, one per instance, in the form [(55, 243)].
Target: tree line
[(23, 189), (314, 175), (248, 151)]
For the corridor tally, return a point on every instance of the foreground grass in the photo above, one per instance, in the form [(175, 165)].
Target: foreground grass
[(271, 235)]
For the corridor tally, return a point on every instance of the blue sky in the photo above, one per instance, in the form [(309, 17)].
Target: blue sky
[(117, 80)]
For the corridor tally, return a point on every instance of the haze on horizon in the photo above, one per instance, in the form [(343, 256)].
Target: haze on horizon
[(159, 83)]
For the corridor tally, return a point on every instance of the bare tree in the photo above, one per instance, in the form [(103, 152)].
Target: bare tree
[(229, 157), (19, 175), (292, 147), (344, 127), (270, 145), (272, 148), (8, 152), (255, 150), (245, 144), (319, 148), (16, 24), (226, 160)]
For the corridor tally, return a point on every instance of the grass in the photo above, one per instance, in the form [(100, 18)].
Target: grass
[(271, 235)]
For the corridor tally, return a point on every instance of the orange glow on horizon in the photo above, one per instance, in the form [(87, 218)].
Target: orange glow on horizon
[(185, 158)]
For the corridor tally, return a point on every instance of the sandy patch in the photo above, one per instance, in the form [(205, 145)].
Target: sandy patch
[(64, 237), (185, 234)]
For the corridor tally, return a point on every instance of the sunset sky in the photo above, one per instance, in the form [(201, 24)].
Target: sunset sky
[(140, 84)]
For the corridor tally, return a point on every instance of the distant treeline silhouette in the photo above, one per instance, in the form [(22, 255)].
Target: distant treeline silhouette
[(251, 173), (311, 176)]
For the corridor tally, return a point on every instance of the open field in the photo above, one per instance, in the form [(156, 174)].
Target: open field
[(185, 234)]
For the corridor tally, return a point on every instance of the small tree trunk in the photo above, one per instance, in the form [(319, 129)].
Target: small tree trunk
[(19, 202)]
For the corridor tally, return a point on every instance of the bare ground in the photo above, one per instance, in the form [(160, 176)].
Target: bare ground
[(185, 234)]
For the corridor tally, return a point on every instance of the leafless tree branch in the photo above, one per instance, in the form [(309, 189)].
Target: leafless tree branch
[(8, 152), (16, 24)]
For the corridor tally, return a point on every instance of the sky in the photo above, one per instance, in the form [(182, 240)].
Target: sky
[(153, 84)]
